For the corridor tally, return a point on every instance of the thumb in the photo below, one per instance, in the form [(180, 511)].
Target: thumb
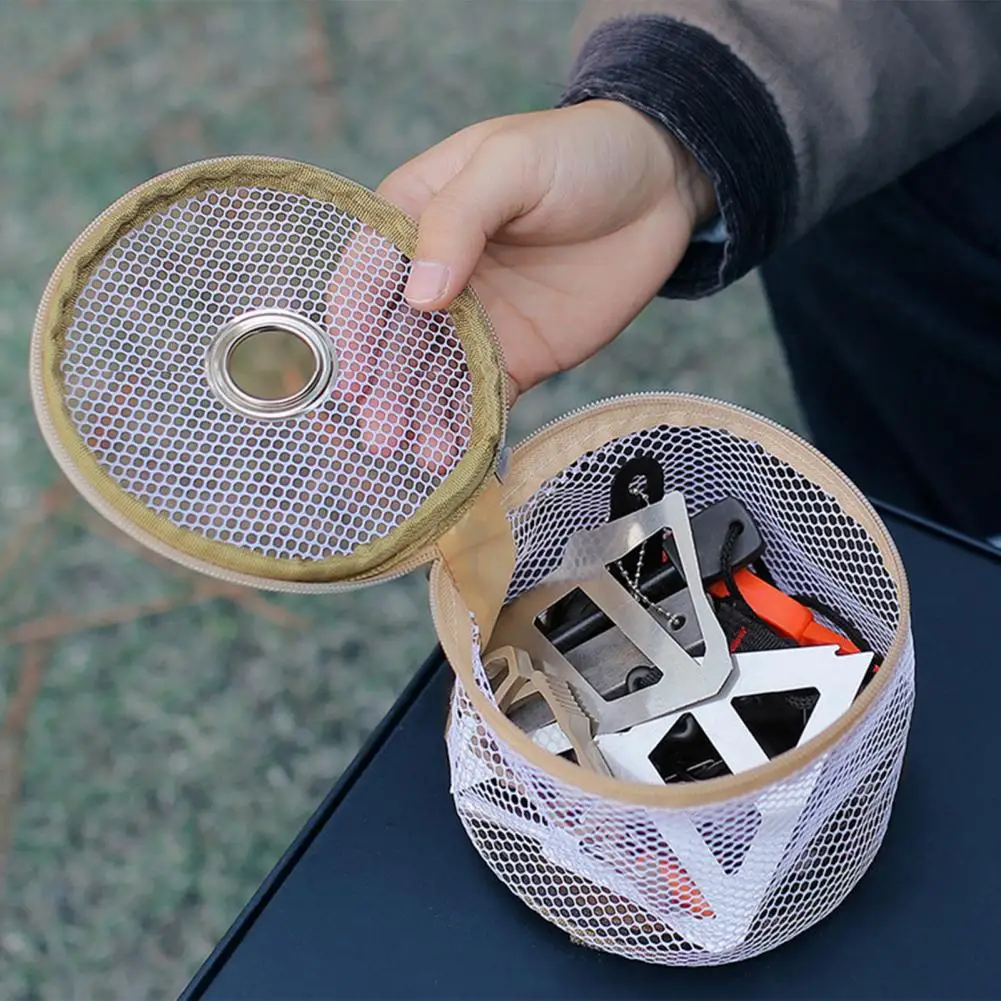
[(499, 183)]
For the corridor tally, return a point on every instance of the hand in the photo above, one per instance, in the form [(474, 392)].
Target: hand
[(566, 223)]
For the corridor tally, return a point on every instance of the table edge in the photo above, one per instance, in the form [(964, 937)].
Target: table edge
[(210, 968)]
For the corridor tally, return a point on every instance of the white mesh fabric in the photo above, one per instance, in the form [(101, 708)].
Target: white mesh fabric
[(728, 881), (313, 486)]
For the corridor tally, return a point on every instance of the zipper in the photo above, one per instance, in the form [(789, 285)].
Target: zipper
[(68, 466)]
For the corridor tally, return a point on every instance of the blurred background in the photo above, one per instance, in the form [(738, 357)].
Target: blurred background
[(163, 739)]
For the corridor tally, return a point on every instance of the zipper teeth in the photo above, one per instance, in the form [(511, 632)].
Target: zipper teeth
[(65, 461), (502, 363)]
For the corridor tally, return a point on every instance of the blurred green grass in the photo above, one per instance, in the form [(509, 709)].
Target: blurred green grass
[(169, 759)]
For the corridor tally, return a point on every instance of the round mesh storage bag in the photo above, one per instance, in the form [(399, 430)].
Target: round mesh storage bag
[(704, 872), (224, 365)]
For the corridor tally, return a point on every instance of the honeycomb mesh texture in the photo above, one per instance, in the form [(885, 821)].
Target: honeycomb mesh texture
[(722, 882), (309, 487)]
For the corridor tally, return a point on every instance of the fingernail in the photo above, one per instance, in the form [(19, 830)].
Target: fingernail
[(427, 282)]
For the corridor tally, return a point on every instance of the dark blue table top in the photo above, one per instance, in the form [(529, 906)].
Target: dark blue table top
[(382, 896)]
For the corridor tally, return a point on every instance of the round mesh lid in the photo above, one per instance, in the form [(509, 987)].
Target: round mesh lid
[(224, 364)]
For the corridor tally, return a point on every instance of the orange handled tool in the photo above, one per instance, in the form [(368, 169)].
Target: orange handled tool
[(784, 614)]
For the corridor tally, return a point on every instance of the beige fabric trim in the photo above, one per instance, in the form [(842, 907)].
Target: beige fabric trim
[(480, 555), (552, 451), (442, 509)]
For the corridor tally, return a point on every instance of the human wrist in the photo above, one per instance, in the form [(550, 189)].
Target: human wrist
[(694, 186), (726, 120), (688, 184)]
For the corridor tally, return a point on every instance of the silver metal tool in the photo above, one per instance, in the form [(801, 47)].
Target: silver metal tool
[(835, 678), (610, 664), (588, 553)]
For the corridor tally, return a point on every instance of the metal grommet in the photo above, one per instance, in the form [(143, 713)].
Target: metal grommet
[(219, 359)]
